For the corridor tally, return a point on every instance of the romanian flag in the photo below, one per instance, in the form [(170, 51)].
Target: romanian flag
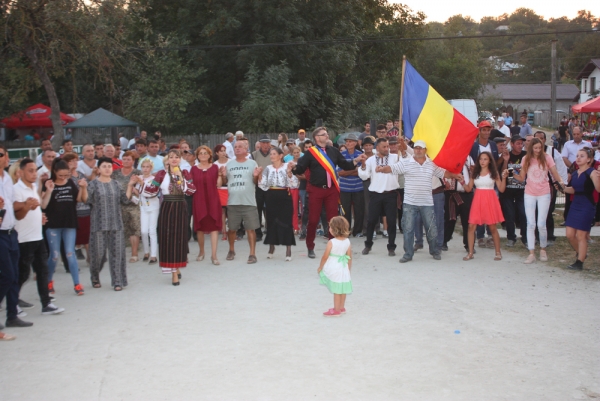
[(427, 116)]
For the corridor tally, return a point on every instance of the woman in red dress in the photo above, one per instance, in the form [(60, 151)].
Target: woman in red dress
[(485, 208), (206, 177)]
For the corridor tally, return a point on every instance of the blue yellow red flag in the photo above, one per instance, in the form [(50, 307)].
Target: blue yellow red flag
[(427, 116)]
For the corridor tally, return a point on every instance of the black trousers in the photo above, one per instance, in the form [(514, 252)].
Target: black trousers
[(385, 204), (9, 272), (188, 201), (356, 199), (35, 254), (462, 211), (260, 205)]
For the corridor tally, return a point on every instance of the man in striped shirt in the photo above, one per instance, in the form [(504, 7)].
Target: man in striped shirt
[(418, 171), (351, 188)]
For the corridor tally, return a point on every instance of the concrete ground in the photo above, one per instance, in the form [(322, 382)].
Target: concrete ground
[(425, 330)]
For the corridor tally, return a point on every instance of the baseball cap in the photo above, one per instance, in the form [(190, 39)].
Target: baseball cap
[(500, 118), (420, 144), (484, 123), (516, 138), (301, 130)]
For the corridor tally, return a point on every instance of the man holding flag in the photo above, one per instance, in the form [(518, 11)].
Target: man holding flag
[(323, 187)]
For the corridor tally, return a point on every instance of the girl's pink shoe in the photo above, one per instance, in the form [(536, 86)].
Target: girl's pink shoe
[(332, 312), (343, 310)]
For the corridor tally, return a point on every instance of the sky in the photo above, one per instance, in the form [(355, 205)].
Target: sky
[(440, 10)]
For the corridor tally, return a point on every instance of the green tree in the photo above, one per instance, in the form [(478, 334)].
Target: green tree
[(270, 101), (162, 87)]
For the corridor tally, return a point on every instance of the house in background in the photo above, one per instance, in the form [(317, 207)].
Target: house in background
[(590, 80)]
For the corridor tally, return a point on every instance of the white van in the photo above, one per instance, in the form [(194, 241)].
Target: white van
[(466, 107)]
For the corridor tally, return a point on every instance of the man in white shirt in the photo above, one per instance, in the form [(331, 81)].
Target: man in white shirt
[(123, 141), (32, 249), (504, 129), (46, 145), (9, 247), (229, 146), (418, 172), (569, 152), (383, 195), (87, 166)]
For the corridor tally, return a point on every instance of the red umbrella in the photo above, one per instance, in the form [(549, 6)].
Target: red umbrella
[(591, 106), (35, 116)]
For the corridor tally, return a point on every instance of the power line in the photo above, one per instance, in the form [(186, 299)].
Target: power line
[(343, 41)]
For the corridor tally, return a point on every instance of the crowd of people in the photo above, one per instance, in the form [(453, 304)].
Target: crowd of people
[(283, 191)]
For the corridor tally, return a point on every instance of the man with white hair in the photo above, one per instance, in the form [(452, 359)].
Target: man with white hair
[(504, 129), (418, 172), (229, 145), (238, 135), (109, 151)]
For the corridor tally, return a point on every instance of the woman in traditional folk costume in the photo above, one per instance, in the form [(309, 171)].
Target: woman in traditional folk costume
[(173, 183)]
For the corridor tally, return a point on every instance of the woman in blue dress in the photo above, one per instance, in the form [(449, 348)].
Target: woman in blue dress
[(584, 181)]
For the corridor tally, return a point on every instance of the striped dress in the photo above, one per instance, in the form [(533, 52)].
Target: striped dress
[(173, 218)]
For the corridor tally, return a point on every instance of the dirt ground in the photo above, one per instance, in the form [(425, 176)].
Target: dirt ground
[(425, 330)]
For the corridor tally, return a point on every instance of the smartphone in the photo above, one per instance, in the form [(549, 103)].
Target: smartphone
[(510, 172)]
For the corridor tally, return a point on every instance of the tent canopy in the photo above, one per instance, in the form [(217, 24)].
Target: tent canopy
[(591, 106), (36, 116), (101, 119)]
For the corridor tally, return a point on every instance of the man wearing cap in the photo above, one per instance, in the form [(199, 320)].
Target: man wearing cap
[(322, 187), (262, 159), (351, 188), (229, 145), (512, 199), (418, 172), (301, 137), (483, 144), (503, 128)]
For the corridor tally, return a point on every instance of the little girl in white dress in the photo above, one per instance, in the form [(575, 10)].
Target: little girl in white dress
[(336, 264)]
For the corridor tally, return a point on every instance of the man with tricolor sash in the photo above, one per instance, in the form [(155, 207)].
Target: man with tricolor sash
[(323, 186)]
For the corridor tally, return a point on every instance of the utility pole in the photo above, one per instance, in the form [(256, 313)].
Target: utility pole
[(553, 86)]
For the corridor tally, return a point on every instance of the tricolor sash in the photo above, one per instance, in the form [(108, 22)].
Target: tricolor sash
[(325, 162)]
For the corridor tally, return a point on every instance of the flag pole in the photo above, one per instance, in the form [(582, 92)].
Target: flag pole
[(401, 94)]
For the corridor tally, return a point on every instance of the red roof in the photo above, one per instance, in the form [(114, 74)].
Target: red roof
[(35, 116)]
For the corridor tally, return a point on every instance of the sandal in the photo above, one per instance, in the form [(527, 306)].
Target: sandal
[(96, 283), (230, 255), (118, 288), (133, 259), (543, 256), (146, 257), (215, 261), (252, 259), (468, 257), (224, 237), (200, 258), (498, 256), (6, 337), (152, 261)]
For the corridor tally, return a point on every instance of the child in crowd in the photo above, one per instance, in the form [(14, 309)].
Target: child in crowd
[(336, 264)]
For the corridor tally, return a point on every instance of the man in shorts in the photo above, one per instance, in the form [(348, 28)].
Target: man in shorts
[(241, 175)]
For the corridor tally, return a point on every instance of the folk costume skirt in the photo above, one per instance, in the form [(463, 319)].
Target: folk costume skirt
[(279, 212), (173, 222)]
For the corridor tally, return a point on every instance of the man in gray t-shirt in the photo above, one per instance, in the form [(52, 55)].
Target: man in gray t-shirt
[(241, 175)]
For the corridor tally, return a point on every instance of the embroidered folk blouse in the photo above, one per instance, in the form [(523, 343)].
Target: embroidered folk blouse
[(168, 184), (272, 177)]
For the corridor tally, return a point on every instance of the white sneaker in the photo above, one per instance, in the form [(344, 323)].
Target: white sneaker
[(385, 233), (20, 312), (52, 309)]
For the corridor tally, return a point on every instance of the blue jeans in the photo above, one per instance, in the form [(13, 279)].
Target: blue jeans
[(54, 237), (408, 226), (438, 208)]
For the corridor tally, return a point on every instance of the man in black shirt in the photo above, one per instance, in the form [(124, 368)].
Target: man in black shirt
[(513, 197), (322, 188)]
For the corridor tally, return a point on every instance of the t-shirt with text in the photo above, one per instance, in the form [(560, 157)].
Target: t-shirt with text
[(62, 208), (240, 183)]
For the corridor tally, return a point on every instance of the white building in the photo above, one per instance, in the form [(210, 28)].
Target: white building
[(590, 80)]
